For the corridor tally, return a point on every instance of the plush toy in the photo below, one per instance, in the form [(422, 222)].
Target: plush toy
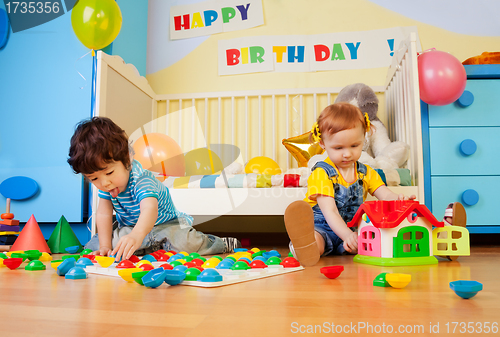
[(378, 150)]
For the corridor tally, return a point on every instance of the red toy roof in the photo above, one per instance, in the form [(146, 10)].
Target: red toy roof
[(390, 214)]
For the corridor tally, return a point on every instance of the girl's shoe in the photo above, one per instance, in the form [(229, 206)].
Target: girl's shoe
[(455, 215), (299, 223)]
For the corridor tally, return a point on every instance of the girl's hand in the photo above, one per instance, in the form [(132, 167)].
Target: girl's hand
[(404, 197), (351, 243)]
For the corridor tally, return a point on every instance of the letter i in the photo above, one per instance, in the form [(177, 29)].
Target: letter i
[(244, 55)]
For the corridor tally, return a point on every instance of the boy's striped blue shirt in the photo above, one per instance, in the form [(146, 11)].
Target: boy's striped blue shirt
[(143, 184)]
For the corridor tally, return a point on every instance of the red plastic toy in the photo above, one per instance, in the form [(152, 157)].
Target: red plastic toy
[(125, 264), (167, 266), (332, 271), (290, 262), (146, 267), (13, 263), (258, 264)]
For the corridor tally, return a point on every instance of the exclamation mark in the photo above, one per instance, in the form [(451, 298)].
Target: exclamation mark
[(391, 45)]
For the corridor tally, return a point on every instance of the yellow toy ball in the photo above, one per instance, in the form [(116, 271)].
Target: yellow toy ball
[(262, 165), (140, 263), (126, 274), (210, 263)]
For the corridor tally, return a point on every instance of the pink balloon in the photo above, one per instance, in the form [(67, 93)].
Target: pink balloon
[(442, 78)]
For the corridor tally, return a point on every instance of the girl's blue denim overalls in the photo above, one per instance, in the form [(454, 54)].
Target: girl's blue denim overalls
[(348, 200)]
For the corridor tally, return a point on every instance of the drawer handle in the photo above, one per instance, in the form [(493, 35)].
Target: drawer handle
[(470, 197), (466, 99), (468, 147)]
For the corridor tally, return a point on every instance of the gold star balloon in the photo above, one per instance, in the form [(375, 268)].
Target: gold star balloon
[(302, 148)]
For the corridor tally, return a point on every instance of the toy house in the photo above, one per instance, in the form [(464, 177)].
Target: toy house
[(400, 233)]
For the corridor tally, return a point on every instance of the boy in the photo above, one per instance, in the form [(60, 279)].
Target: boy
[(147, 218)]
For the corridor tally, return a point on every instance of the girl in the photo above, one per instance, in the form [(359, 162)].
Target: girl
[(336, 187)]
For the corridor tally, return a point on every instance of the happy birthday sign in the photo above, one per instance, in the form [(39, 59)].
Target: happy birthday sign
[(213, 17), (299, 53)]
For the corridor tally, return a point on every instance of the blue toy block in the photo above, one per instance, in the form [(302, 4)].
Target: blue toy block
[(270, 253), (76, 273), (466, 289), (154, 278), (174, 277), (209, 275), (83, 262), (149, 257), (175, 257), (225, 264), (180, 267), (72, 249), (65, 266)]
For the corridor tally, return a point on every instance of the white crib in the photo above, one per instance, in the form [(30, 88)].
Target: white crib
[(230, 117)]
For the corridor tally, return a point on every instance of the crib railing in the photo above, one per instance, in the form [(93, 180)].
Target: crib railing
[(403, 107), (255, 121)]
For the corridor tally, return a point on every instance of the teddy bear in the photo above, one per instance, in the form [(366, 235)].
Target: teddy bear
[(378, 151)]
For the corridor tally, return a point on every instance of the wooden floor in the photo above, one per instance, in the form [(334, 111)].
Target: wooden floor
[(43, 304)]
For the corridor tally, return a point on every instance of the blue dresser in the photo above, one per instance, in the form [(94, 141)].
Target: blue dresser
[(461, 143)]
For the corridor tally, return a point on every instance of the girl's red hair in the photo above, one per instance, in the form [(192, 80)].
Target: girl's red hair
[(340, 116)]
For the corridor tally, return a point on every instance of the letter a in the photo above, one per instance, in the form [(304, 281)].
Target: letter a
[(337, 52)]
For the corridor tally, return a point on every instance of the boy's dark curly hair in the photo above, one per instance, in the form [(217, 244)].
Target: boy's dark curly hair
[(96, 142)]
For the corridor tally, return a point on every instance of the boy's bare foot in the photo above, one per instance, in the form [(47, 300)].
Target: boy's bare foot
[(299, 223)]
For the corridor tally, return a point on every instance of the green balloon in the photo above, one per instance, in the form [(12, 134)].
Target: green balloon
[(96, 23)]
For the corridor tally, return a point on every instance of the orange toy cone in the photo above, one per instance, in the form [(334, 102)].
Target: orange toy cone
[(31, 237)]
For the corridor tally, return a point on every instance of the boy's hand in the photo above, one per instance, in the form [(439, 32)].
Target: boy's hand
[(351, 243), (103, 251), (126, 247)]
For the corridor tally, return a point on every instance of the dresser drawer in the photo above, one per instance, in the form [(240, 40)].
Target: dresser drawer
[(484, 110), (450, 189), (465, 151)]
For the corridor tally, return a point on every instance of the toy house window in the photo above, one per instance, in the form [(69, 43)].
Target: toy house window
[(451, 240), (412, 241), (369, 241)]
